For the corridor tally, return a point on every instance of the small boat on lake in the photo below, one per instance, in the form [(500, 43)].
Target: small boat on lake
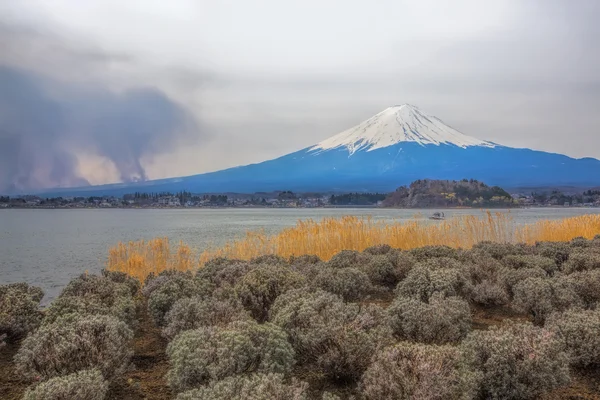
[(438, 215)]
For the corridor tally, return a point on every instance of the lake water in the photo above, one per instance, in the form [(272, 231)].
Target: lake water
[(47, 248)]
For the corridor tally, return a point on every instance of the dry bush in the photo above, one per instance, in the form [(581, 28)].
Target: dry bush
[(298, 262), (250, 387), (587, 286), (101, 288), (486, 280), (419, 372), (430, 277), (540, 297), (123, 308), (259, 288), (381, 271), (19, 309), (121, 277), (351, 284), (558, 251), (579, 331), (269, 259), (489, 293), (109, 294), (212, 353), (530, 261), (582, 260), (427, 252), (308, 317), (403, 262), (152, 283), (226, 274), (441, 321), (175, 287), (349, 347), (33, 292), (336, 337), (379, 249), (220, 261), (195, 312), (82, 385), (349, 259), (388, 269), (75, 343), (512, 277), (518, 361), (310, 271), (580, 242), (498, 250), (436, 263)]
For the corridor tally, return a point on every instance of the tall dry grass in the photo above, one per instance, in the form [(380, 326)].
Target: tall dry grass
[(331, 235), (141, 258)]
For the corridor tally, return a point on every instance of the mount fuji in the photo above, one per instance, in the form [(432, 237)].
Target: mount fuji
[(393, 148)]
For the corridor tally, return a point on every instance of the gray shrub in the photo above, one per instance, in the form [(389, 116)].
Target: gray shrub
[(540, 297), (208, 354), (81, 385), (351, 284), (195, 312), (409, 371), (518, 361), (173, 288), (579, 330), (442, 320), (19, 309), (75, 343), (259, 288), (430, 277), (250, 387)]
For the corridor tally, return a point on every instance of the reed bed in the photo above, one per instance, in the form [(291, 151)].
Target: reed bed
[(330, 235)]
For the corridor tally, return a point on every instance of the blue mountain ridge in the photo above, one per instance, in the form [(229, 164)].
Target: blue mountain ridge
[(376, 170)]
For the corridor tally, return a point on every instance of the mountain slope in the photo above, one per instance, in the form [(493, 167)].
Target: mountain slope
[(393, 148)]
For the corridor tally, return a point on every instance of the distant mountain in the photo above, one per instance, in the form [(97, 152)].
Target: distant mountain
[(399, 145)]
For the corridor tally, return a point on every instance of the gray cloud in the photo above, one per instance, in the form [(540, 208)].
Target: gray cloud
[(31, 136), (41, 132), (277, 77), (60, 101)]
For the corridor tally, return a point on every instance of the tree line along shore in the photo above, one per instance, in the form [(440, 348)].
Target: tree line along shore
[(422, 193)]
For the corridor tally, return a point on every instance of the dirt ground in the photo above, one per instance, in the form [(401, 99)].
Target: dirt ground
[(146, 379)]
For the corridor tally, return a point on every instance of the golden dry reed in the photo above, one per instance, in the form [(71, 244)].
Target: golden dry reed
[(331, 235)]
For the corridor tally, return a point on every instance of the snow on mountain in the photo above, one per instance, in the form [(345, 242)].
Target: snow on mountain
[(403, 123)]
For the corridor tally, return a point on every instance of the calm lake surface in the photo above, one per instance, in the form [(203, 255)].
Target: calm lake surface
[(47, 248)]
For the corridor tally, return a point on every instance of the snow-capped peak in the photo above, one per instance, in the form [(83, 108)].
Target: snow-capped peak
[(401, 123)]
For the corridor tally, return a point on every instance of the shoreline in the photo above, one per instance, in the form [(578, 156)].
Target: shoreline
[(293, 208)]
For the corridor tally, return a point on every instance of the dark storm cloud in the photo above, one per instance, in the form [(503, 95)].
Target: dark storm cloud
[(31, 136), (42, 129), (59, 100)]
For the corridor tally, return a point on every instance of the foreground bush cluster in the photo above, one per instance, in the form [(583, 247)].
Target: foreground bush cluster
[(83, 340), (377, 324), (247, 329)]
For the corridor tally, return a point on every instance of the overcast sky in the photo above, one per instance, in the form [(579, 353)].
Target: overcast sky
[(235, 82)]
